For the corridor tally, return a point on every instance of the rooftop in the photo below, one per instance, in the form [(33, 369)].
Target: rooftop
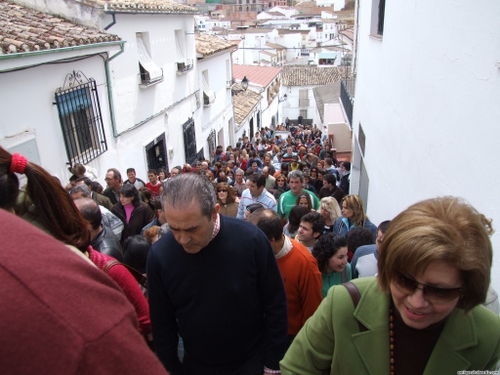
[(303, 75), (259, 75), (275, 45), (326, 94), (296, 31), (244, 102), (207, 44), (251, 30), (23, 29)]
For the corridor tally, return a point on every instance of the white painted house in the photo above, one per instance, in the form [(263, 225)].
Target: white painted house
[(152, 85), (54, 105), (298, 82), (337, 4), (426, 113), (265, 81), (215, 80)]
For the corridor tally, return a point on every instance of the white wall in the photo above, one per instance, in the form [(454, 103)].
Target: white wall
[(428, 97), (291, 107), (220, 112), (27, 105), (135, 104)]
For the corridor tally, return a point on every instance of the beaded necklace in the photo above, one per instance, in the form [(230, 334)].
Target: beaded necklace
[(391, 340)]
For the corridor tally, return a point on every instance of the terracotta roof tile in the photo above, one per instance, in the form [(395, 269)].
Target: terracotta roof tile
[(244, 101), (290, 31), (207, 44), (298, 75), (260, 75), (26, 30), (141, 6)]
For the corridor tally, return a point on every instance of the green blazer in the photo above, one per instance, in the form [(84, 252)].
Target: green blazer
[(331, 338)]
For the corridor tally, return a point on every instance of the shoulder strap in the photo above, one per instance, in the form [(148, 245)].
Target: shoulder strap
[(344, 276), (141, 279), (355, 296), (109, 264)]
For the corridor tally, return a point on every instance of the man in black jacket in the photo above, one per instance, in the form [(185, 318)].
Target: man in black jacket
[(103, 239)]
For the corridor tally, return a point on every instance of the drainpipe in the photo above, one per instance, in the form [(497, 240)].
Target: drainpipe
[(110, 91), (112, 23)]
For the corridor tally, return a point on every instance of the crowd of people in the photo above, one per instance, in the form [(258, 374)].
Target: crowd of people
[(260, 261)]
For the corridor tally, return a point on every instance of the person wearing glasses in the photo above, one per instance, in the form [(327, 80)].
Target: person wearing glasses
[(226, 197), (422, 314)]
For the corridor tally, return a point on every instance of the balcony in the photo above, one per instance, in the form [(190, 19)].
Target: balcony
[(303, 102)]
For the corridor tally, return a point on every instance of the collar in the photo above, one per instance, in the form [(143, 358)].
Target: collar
[(287, 246), (216, 227), (373, 313)]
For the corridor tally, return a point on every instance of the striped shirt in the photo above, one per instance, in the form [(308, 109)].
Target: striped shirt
[(266, 199)]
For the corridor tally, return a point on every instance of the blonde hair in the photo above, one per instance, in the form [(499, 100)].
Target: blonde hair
[(331, 205), (447, 229)]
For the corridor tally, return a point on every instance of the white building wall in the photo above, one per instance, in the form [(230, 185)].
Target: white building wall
[(219, 113), (27, 107), (292, 44), (133, 103), (427, 97), (291, 107)]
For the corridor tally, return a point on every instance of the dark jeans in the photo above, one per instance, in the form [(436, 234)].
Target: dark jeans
[(251, 365)]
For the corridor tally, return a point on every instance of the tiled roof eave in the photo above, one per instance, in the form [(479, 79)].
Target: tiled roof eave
[(215, 53), (44, 51), (144, 7)]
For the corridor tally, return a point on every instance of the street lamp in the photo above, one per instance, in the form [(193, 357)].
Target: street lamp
[(244, 83), (283, 99)]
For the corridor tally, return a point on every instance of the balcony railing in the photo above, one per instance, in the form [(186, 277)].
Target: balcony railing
[(347, 100), (184, 66)]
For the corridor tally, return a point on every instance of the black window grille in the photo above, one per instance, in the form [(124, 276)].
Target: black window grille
[(347, 101), (189, 141), (381, 16), (211, 145), (81, 122)]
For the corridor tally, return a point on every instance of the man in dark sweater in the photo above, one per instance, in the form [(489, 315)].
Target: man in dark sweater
[(330, 188), (214, 281)]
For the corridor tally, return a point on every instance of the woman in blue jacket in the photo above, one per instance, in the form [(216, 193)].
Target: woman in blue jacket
[(353, 215)]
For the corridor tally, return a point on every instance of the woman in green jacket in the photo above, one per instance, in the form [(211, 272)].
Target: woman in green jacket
[(421, 315)]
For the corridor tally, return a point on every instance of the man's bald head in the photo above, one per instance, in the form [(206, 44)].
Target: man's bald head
[(90, 211)]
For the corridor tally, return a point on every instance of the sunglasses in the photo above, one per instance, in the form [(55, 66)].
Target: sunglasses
[(431, 293), (222, 191)]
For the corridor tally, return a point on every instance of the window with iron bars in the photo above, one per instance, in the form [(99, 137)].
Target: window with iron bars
[(189, 141), (81, 122)]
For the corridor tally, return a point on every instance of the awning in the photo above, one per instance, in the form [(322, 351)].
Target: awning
[(155, 72), (207, 91)]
